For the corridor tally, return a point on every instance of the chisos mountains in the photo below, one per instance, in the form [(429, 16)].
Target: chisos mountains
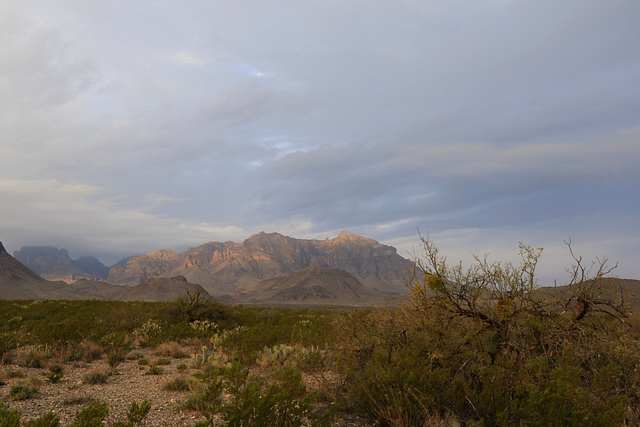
[(19, 282), (266, 268), (55, 264), (223, 268)]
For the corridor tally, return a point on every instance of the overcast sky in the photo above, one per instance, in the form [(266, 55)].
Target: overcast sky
[(132, 126)]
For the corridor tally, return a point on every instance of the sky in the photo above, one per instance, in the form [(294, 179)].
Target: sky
[(127, 127)]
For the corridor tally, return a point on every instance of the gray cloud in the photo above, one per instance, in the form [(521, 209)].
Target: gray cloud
[(127, 127)]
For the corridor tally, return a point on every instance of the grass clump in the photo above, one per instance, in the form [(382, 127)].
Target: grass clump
[(95, 377), (154, 370), (181, 384)]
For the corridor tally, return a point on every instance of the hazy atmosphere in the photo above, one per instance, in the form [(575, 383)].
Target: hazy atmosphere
[(132, 126)]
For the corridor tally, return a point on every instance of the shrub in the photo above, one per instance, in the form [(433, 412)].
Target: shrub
[(92, 415), (143, 362), (484, 345), (13, 373), (252, 402), (170, 349), (155, 370), (22, 391), (95, 377), (163, 361), (137, 413), (56, 372), (9, 418), (47, 420), (34, 356)]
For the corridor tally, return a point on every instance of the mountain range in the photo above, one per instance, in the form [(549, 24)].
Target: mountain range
[(19, 282), (267, 268), (224, 268)]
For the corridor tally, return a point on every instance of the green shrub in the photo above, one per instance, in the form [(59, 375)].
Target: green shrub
[(9, 418), (135, 414), (483, 346), (155, 370), (47, 420), (92, 415), (252, 402), (143, 362), (22, 391)]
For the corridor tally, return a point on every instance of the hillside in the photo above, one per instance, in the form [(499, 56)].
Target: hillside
[(313, 286), (224, 268), (19, 282)]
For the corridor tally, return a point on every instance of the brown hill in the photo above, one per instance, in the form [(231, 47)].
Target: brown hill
[(313, 286), (55, 264), (223, 268)]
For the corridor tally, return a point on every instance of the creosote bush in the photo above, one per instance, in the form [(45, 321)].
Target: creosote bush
[(485, 345)]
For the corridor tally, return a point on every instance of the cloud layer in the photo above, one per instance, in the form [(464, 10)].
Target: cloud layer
[(128, 127)]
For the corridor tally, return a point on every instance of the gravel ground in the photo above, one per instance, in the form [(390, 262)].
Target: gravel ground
[(130, 382)]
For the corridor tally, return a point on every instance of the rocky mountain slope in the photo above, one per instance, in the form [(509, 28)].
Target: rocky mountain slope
[(55, 264), (19, 282), (224, 268), (313, 286)]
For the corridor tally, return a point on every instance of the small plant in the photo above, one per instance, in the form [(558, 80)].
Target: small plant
[(95, 377), (13, 373), (92, 415), (47, 420), (143, 362), (22, 391), (9, 418), (163, 361), (136, 412), (90, 351), (55, 373), (34, 356), (277, 356), (115, 357), (181, 384), (210, 358), (204, 326), (181, 367), (149, 330), (135, 355), (155, 370)]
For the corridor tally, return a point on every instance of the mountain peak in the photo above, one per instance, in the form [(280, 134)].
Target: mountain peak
[(2, 249)]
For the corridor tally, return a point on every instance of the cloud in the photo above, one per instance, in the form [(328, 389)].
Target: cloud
[(85, 220), (183, 123)]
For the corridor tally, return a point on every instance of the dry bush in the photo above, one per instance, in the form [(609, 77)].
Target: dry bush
[(171, 349)]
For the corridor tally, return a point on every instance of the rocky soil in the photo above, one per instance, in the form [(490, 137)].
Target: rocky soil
[(130, 382)]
